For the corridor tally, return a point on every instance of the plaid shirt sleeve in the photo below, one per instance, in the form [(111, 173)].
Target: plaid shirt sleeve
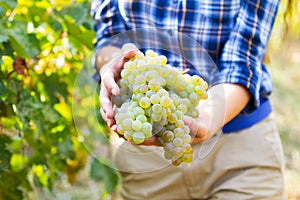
[(107, 22), (242, 56)]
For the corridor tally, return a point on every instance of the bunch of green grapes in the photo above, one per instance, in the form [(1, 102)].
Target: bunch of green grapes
[(154, 97)]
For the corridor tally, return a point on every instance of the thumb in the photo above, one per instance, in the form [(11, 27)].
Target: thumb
[(129, 50), (197, 127)]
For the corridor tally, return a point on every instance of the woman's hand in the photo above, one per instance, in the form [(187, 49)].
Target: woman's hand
[(110, 74), (225, 101)]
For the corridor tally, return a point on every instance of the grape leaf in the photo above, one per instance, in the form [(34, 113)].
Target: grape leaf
[(75, 12), (25, 45), (80, 35), (53, 86)]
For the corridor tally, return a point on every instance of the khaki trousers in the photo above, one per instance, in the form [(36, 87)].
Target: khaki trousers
[(247, 164)]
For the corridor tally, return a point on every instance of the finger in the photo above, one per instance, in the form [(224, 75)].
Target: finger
[(106, 104), (198, 139), (151, 141), (197, 128), (115, 129), (109, 121), (103, 114), (110, 83)]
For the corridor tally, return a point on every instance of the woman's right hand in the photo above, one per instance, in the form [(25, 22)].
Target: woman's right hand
[(110, 74)]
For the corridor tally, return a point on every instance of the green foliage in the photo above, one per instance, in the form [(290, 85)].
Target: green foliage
[(102, 172), (42, 47)]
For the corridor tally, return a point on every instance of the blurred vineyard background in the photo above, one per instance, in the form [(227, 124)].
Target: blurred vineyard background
[(46, 149)]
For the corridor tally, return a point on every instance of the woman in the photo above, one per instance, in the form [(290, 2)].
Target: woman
[(247, 161)]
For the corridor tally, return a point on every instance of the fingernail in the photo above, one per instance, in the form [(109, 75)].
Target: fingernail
[(114, 91)]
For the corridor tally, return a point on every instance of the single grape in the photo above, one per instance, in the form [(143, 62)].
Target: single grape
[(182, 108), (151, 74), (172, 118), (149, 93), (155, 98), (177, 152), (138, 137), (146, 127), (195, 98), (168, 146), (123, 83), (141, 118), (179, 114), (151, 53), (162, 92), (177, 142), (127, 124), (137, 125), (168, 155), (148, 111), (165, 101), (168, 136), (143, 88), (128, 135), (163, 121), (120, 129), (130, 65), (199, 89), (140, 80), (157, 108), (186, 138), (155, 117), (190, 88), (145, 102), (162, 60), (178, 132), (187, 158), (187, 148), (179, 124), (196, 80), (153, 85), (170, 127), (176, 162), (138, 111), (186, 129)]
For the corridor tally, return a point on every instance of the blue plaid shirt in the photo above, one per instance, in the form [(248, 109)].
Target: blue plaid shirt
[(234, 33)]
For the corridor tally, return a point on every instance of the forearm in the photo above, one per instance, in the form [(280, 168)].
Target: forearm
[(225, 101)]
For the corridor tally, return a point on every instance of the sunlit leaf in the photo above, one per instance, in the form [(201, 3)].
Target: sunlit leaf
[(18, 161), (39, 171), (75, 12)]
